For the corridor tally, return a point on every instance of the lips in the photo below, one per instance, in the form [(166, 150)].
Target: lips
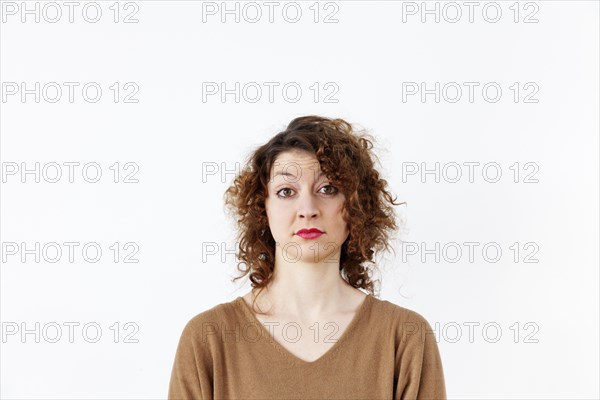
[(309, 233), (311, 230)]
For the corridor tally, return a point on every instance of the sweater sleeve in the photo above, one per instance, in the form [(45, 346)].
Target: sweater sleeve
[(422, 374), (191, 376)]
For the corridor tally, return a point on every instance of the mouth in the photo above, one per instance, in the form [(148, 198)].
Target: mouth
[(309, 233)]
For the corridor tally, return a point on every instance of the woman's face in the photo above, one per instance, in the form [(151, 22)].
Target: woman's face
[(301, 197)]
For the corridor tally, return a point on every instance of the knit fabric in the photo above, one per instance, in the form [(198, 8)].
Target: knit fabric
[(386, 352)]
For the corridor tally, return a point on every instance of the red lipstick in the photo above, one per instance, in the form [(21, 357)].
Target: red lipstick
[(309, 233)]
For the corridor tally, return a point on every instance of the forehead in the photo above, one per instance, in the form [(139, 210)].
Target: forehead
[(295, 164)]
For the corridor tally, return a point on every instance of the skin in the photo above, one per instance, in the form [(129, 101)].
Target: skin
[(306, 284)]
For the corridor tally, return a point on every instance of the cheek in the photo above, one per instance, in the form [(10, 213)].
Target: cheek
[(277, 212)]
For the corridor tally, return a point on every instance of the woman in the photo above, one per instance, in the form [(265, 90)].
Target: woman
[(311, 210)]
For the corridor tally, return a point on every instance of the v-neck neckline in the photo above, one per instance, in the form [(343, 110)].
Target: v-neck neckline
[(362, 309)]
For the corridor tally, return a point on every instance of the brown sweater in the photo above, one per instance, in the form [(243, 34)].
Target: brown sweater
[(387, 352)]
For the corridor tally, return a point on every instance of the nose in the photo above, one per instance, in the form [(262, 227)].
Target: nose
[(307, 206)]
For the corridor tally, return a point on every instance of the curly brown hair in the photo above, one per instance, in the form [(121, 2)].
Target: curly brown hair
[(345, 157)]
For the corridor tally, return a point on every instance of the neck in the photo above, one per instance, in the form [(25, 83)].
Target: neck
[(305, 290)]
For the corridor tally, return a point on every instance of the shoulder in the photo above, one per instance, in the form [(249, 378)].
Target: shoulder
[(397, 312), (206, 323), (418, 371), (407, 323)]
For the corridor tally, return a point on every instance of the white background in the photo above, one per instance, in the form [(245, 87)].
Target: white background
[(172, 135)]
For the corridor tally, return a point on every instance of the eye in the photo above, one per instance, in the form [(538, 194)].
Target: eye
[(281, 190), (332, 192)]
